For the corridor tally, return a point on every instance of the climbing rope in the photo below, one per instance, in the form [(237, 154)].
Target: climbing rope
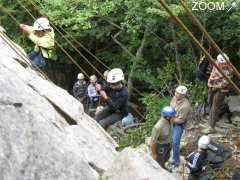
[(198, 44)]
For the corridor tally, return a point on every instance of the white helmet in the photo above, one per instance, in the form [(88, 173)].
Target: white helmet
[(221, 59), (203, 142), (115, 75), (93, 78), (80, 76), (41, 24), (105, 73), (182, 90)]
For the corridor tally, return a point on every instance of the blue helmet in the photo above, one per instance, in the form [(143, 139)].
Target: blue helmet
[(168, 111)]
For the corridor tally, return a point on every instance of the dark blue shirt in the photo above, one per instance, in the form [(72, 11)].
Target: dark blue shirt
[(118, 101), (196, 161)]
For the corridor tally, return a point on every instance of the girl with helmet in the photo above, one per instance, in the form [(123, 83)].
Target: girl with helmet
[(196, 160), (92, 92), (161, 137), (42, 35), (116, 97)]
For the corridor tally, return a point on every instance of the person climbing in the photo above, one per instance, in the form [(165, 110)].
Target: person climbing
[(196, 160), (116, 97), (92, 92), (218, 87), (161, 137), (42, 35), (80, 90), (183, 108)]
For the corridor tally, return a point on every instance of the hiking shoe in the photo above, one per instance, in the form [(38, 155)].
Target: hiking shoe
[(208, 130)]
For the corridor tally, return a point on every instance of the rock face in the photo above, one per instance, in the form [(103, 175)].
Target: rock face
[(132, 164), (45, 134)]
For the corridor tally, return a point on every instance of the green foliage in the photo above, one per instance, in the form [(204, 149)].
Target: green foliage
[(137, 136)]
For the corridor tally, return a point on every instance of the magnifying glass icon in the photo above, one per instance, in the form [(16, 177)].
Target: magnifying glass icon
[(233, 4)]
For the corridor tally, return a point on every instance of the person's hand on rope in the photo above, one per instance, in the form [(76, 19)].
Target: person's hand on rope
[(98, 87), (103, 94), (25, 28)]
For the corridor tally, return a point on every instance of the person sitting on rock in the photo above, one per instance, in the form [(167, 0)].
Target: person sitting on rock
[(183, 108), (161, 137), (42, 35), (116, 97), (195, 160), (218, 87), (92, 92), (80, 90)]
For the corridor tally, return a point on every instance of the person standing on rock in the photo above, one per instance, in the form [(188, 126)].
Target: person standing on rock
[(42, 35), (183, 108), (218, 87), (80, 90), (116, 97), (161, 137), (195, 160)]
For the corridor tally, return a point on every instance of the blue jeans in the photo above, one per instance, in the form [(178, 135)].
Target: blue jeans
[(177, 135), (37, 59)]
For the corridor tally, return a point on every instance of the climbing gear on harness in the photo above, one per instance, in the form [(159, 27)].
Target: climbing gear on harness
[(41, 24), (203, 142), (80, 76), (221, 59), (168, 111), (182, 90), (115, 75)]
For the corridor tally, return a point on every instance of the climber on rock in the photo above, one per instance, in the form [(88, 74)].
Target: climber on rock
[(183, 108), (161, 138), (42, 35), (116, 97), (80, 90), (195, 160)]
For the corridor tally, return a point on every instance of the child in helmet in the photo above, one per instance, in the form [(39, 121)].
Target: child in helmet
[(92, 92), (42, 35), (161, 138), (196, 160)]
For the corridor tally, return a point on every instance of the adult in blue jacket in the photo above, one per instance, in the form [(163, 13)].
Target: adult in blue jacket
[(116, 97)]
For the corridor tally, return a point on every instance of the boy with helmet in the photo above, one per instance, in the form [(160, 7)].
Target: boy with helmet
[(196, 160), (183, 108), (218, 87), (80, 89), (116, 97), (42, 35), (161, 137), (92, 92)]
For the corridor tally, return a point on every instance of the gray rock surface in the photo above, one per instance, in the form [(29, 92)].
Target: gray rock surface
[(132, 164), (37, 141)]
